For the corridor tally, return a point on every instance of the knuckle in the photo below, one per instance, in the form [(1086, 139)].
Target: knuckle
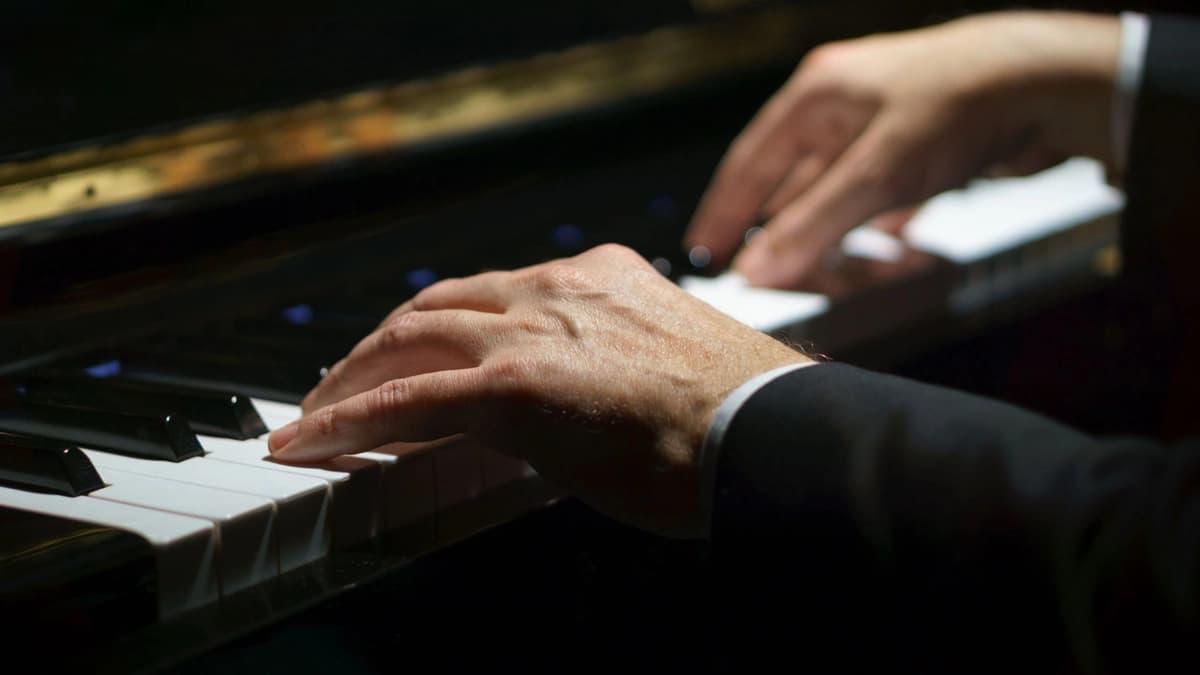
[(326, 421), (511, 374), (824, 57), (618, 251), (620, 254), (399, 331), (425, 298), (560, 278), (387, 397)]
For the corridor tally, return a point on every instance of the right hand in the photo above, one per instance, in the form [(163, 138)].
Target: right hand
[(873, 125), (597, 370)]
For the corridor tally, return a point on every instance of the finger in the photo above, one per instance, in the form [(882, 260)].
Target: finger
[(893, 222), (486, 292), (751, 170), (866, 180), (806, 171), (1030, 160), (410, 344), (419, 408)]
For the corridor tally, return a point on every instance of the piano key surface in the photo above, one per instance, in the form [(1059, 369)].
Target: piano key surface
[(185, 547), (302, 503), (245, 524), (61, 575)]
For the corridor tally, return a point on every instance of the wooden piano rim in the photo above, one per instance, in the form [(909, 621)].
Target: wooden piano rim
[(399, 118)]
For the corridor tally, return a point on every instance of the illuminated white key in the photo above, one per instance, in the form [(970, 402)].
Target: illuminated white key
[(302, 503), (408, 473), (275, 414), (456, 474), (760, 308), (355, 484), (245, 524), (186, 547), (991, 216)]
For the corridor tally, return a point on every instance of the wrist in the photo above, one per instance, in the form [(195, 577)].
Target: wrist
[(1051, 76), (1071, 80)]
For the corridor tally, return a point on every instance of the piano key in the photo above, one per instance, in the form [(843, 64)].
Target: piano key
[(212, 413), (185, 547), (277, 381), (249, 552), (302, 503), (276, 414), (165, 437), (991, 216), (57, 468), (499, 469), (409, 485), (59, 574), (761, 308), (409, 472), (355, 484)]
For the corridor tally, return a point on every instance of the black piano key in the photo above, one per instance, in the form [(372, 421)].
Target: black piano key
[(273, 381), (64, 577), (165, 437), (46, 466), (298, 350), (225, 414)]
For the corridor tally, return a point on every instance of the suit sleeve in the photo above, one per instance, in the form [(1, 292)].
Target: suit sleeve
[(895, 522), (1160, 237)]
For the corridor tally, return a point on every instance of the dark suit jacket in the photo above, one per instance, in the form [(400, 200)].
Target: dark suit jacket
[(864, 520)]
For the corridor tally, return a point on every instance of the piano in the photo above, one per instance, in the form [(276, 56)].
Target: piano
[(176, 270)]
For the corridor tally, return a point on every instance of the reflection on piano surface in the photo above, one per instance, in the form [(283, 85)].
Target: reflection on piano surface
[(168, 298)]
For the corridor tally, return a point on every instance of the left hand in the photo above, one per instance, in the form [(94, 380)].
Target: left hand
[(598, 371)]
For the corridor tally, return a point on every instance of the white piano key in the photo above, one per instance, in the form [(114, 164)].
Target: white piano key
[(995, 215), (409, 476), (764, 309), (355, 484), (245, 524), (409, 485), (186, 547), (302, 503), (446, 473), (275, 414)]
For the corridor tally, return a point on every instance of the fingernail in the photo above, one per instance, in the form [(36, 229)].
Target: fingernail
[(279, 439)]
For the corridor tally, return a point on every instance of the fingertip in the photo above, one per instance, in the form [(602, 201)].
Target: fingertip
[(281, 438), (754, 257)]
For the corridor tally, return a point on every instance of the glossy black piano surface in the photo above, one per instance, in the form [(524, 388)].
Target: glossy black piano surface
[(236, 277)]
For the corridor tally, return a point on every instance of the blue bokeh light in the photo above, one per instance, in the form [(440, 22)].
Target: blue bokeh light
[(568, 237), (420, 278), (298, 315), (104, 369)]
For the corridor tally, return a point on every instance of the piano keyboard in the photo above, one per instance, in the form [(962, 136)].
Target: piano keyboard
[(171, 431), (1000, 237), (229, 518)]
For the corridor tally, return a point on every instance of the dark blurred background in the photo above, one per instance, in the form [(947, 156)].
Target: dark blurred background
[(73, 70)]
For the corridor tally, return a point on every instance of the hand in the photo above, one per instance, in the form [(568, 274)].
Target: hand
[(597, 370), (883, 122)]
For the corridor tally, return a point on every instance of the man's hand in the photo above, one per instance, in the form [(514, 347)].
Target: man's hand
[(598, 371), (872, 125)]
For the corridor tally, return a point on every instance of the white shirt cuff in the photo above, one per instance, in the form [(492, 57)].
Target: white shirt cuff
[(1135, 33), (710, 451)]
